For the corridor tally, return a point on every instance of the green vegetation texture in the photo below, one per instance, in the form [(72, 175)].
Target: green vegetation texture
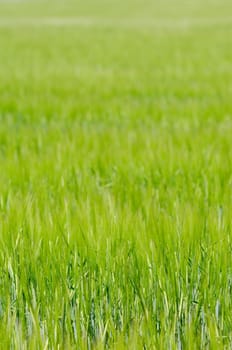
[(116, 174)]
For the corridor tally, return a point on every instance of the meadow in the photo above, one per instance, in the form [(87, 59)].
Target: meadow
[(115, 174)]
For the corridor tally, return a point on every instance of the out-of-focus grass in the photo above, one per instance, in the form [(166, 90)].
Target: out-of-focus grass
[(116, 9), (115, 176)]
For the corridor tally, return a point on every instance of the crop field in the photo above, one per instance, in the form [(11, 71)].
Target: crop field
[(116, 174)]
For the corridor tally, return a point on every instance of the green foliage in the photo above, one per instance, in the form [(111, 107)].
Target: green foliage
[(115, 175)]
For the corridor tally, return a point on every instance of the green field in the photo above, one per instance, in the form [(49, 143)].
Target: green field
[(116, 174)]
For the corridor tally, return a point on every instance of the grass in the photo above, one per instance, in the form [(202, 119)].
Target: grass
[(116, 175)]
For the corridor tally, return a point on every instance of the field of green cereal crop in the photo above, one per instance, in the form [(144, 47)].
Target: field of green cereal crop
[(116, 174)]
